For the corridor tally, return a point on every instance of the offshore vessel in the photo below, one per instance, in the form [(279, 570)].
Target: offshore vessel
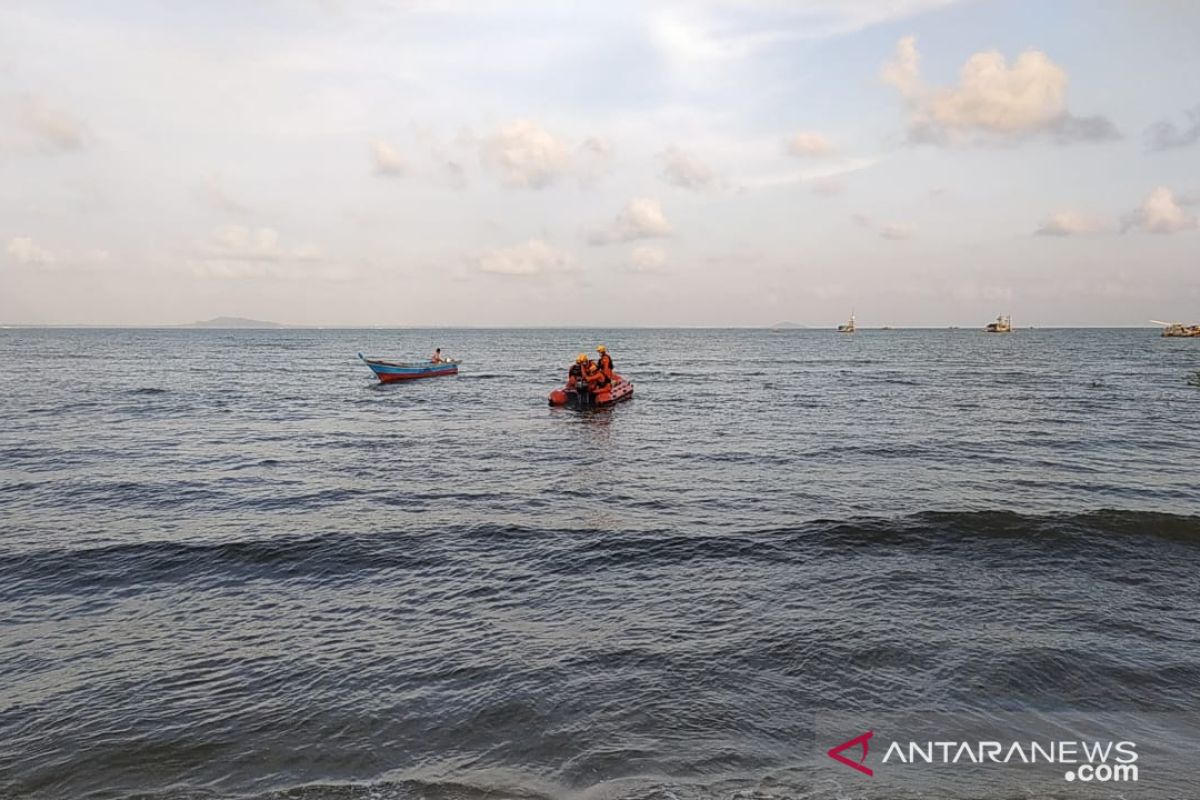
[(1178, 329), (1002, 324)]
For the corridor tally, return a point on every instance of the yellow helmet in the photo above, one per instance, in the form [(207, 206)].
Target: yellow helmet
[(601, 348), (582, 357)]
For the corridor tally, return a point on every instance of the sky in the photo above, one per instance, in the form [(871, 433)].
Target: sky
[(617, 163)]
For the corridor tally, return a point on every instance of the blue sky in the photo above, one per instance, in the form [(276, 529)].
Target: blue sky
[(921, 162)]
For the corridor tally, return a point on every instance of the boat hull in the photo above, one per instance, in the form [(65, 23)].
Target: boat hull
[(581, 399), (396, 372)]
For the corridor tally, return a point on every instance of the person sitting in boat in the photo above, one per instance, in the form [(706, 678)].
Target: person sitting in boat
[(437, 356), (605, 361), (575, 373), (595, 376)]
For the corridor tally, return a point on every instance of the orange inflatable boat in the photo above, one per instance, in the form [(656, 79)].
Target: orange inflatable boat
[(581, 398)]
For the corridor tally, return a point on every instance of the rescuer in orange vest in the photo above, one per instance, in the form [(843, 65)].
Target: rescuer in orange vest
[(605, 361), (595, 376), (576, 373)]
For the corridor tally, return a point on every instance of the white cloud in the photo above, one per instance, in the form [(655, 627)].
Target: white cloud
[(897, 231), (828, 186), (647, 258), (808, 143), (1160, 212), (387, 159), (904, 70), (1071, 223), (38, 125), (238, 251), (694, 34), (24, 250), (993, 101), (685, 41), (522, 154), (817, 170), (594, 159), (643, 218), (894, 231), (448, 157), (534, 257), (213, 192), (239, 242), (684, 171)]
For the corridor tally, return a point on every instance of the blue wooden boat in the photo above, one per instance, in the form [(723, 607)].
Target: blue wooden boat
[(394, 371)]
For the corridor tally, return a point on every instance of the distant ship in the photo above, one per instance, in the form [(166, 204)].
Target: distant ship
[(1001, 325), (848, 327), (1178, 329)]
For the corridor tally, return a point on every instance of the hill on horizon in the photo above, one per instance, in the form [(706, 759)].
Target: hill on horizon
[(233, 322)]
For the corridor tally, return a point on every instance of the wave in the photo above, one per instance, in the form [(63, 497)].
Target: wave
[(331, 557)]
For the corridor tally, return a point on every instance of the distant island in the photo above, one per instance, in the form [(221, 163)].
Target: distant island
[(788, 326), (233, 322)]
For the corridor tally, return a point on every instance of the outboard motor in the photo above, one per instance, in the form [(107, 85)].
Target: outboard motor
[(580, 397)]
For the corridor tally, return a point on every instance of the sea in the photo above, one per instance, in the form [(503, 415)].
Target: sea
[(233, 565)]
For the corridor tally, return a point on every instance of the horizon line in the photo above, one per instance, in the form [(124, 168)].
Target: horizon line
[(340, 326)]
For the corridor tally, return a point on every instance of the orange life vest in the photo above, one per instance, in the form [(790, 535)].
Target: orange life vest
[(595, 375)]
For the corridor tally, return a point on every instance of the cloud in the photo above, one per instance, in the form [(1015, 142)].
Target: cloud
[(1096, 128), (1071, 223), (213, 192), (241, 243), (387, 160), (594, 159), (993, 102), (904, 71), (814, 170), (1165, 135), (647, 258), (534, 257), (41, 126), (686, 42), (447, 158), (238, 251), (897, 231), (808, 143), (680, 169), (893, 231), (643, 218), (454, 171), (698, 34), (1161, 212), (828, 187), (525, 156), (24, 250)]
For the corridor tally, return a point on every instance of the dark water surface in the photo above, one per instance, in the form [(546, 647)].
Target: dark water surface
[(231, 565)]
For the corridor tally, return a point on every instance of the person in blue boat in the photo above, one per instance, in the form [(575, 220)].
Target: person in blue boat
[(437, 356)]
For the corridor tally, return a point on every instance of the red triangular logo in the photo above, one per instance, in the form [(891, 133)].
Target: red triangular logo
[(858, 741)]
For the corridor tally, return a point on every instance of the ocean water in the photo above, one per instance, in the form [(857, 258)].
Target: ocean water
[(232, 565)]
